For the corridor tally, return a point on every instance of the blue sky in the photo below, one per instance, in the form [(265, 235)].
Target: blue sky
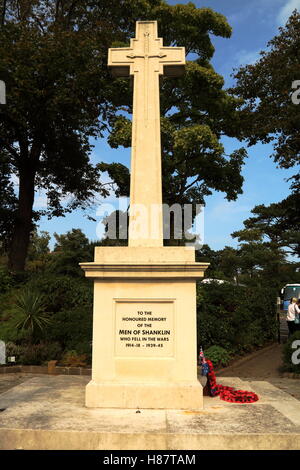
[(254, 23)]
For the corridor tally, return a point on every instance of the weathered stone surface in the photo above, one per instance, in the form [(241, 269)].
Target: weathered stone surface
[(48, 412)]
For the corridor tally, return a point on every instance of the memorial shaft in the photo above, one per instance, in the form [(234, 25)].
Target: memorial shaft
[(146, 59)]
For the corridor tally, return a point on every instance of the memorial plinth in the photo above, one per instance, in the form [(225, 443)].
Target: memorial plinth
[(144, 332), (144, 327)]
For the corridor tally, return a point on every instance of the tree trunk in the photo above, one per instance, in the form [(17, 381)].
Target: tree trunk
[(23, 225)]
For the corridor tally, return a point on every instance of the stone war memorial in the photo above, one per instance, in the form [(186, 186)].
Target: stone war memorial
[(144, 326), (144, 393)]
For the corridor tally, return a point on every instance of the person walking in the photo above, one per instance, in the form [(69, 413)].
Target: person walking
[(292, 312)]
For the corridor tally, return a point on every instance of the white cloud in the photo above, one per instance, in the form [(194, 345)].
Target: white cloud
[(244, 57), (15, 181), (286, 11), (240, 16), (94, 157), (226, 211), (40, 201)]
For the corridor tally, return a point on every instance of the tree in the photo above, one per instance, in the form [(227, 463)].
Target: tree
[(38, 257), (223, 264), (268, 112), (277, 225), (253, 263), (70, 249), (53, 59), (8, 203), (39, 245)]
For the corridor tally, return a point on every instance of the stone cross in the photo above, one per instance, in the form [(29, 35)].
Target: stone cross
[(146, 59)]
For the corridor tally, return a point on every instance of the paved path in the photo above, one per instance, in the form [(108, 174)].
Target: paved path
[(8, 381), (283, 328), (264, 366)]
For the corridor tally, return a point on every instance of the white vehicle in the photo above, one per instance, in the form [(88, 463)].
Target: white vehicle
[(211, 281), (289, 291)]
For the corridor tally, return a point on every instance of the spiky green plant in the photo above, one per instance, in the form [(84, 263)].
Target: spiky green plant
[(30, 312)]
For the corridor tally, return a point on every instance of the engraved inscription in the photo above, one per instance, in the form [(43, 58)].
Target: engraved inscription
[(144, 328)]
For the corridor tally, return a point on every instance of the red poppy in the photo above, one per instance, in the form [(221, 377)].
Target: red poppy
[(228, 394)]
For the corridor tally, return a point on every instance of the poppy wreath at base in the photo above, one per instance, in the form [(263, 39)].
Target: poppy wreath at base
[(229, 394)]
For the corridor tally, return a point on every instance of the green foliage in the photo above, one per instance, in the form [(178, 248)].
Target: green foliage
[(8, 330), (34, 354), (236, 318), (253, 263), (29, 312), (73, 329), (276, 225), (73, 359), (287, 352), (6, 280), (61, 291), (38, 256), (70, 249), (195, 113), (218, 356), (119, 175), (268, 113), (69, 300), (53, 59), (39, 245), (13, 349), (55, 80), (67, 297), (69, 324)]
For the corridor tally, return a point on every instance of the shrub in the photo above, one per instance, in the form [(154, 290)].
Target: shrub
[(218, 356), (37, 354), (29, 308), (34, 354), (73, 329), (287, 353), (6, 280), (62, 292), (13, 349), (70, 302), (236, 318), (72, 358), (8, 330)]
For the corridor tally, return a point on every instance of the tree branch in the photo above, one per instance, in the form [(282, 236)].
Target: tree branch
[(189, 185), (10, 149)]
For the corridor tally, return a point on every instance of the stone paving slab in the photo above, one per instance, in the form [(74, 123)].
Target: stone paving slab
[(8, 381), (48, 412), (269, 392)]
